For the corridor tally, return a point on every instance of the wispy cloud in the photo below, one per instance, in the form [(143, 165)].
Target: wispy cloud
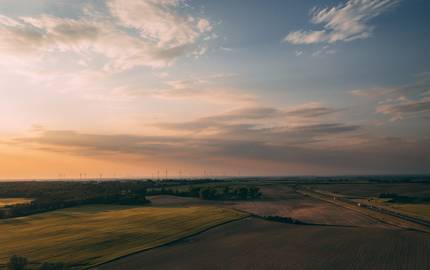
[(206, 89), (158, 21), (404, 108), (344, 22), (407, 101), (299, 125), (373, 154), (163, 34)]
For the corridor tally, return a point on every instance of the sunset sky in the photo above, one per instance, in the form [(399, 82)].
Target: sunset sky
[(124, 88)]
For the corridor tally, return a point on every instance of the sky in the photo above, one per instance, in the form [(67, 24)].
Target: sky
[(132, 88)]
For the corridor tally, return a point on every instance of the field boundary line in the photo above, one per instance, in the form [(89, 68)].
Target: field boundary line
[(94, 267)]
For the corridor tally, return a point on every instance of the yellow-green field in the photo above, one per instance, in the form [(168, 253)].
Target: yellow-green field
[(12, 201), (89, 235), (420, 210)]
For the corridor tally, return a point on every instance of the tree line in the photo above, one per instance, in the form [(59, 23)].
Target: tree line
[(211, 192), (69, 195), (21, 263), (396, 198), (53, 195)]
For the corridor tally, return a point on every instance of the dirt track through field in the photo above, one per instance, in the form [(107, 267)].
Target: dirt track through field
[(258, 244)]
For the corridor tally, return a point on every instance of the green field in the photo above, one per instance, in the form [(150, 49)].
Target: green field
[(12, 201), (89, 235)]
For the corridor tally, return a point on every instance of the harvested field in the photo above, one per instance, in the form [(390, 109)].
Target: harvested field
[(373, 190), (12, 201), (258, 244), (281, 200), (89, 235), (419, 210), (284, 201)]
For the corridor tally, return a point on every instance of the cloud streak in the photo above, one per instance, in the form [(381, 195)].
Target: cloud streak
[(345, 22), (402, 102), (403, 108), (164, 34), (300, 125), (375, 154), (202, 90)]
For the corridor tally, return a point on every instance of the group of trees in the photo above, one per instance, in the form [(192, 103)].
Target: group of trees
[(228, 193), (387, 195), (48, 196), (21, 263), (75, 194), (44, 205), (212, 192), (396, 198), (287, 220)]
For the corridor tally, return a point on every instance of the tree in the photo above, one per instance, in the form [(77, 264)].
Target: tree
[(208, 193), (194, 191), (254, 192), (52, 266), (243, 193), (226, 191), (204, 193), (17, 263)]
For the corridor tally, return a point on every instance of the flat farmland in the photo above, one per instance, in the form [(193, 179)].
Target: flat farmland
[(11, 201), (369, 193), (419, 210), (281, 200), (253, 243), (89, 235), (373, 190)]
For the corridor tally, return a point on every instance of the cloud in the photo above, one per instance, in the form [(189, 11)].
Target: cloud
[(378, 155), (326, 50), (371, 93), (206, 89), (163, 35), (301, 37), (345, 22), (299, 125), (158, 21), (407, 101), (302, 113), (403, 108), (70, 141), (226, 49), (311, 110), (204, 25)]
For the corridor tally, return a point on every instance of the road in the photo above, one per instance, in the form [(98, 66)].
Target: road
[(395, 218)]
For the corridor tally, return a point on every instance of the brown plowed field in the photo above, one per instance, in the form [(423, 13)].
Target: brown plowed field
[(284, 201), (281, 200), (258, 244)]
